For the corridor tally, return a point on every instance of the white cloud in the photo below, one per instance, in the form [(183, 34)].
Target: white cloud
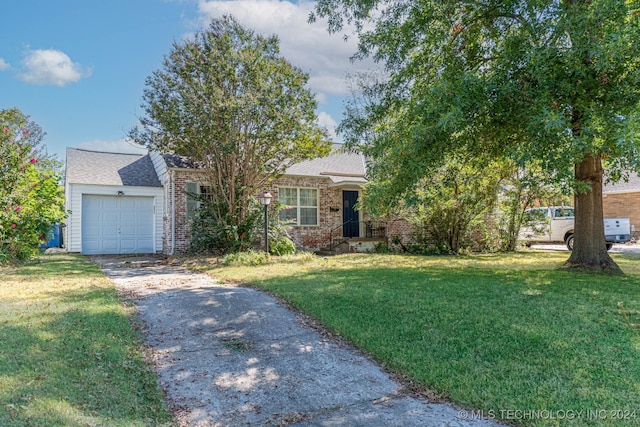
[(51, 67), (327, 122), (122, 146), (4, 65), (309, 46)]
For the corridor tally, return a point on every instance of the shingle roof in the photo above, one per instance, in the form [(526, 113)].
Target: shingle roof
[(632, 184), (339, 166), (176, 161), (100, 168)]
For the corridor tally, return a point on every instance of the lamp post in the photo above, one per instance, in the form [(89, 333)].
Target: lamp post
[(265, 199)]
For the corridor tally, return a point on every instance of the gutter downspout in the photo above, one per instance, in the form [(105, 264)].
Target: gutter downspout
[(173, 213)]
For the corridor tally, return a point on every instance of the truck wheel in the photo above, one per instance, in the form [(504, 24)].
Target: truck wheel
[(569, 242), (609, 246)]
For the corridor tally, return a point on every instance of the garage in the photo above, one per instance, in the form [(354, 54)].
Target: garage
[(114, 203), (117, 224)]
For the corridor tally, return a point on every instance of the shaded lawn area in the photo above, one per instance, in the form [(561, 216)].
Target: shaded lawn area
[(70, 353), (497, 333)]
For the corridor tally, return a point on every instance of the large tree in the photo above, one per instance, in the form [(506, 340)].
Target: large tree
[(31, 199), (227, 98), (555, 81)]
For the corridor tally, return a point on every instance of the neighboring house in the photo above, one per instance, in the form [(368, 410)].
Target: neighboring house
[(622, 200), (114, 202), (104, 189)]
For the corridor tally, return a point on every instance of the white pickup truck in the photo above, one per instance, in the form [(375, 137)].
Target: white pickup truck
[(555, 224)]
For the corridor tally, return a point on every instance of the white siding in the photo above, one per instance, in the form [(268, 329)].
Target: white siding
[(73, 196), (165, 179), (159, 164)]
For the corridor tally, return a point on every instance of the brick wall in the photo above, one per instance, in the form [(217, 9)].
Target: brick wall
[(401, 228), (183, 229), (623, 205)]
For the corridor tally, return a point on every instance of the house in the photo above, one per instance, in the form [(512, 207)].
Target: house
[(128, 203), (622, 200)]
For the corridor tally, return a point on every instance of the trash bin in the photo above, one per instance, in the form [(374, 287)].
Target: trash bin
[(54, 238)]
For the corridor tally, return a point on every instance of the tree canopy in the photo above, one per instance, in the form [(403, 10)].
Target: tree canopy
[(227, 98), (556, 82)]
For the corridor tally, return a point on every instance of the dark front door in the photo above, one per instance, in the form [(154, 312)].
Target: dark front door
[(351, 227)]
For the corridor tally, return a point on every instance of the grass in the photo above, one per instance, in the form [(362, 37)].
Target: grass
[(70, 353), (499, 333)]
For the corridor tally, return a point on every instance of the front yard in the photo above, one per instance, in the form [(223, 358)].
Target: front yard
[(69, 355), (505, 334)]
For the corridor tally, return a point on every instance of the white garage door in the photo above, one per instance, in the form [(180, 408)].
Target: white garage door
[(117, 225)]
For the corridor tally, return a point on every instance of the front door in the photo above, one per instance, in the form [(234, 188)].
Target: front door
[(350, 217)]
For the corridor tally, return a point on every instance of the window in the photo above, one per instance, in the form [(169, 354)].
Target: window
[(301, 205), (195, 194), (535, 215), (564, 213)]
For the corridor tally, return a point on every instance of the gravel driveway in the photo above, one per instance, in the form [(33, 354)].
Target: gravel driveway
[(233, 356)]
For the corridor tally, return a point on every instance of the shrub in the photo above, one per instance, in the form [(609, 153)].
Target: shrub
[(215, 230), (247, 258), (282, 245), (381, 248), (31, 199)]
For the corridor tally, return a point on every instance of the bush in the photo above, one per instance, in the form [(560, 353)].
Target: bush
[(381, 248), (31, 199), (215, 230), (247, 258), (282, 245)]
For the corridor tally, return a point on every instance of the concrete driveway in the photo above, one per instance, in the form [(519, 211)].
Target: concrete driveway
[(233, 356), (628, 248)]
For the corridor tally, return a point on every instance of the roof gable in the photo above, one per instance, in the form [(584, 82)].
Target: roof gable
[(100, 168)]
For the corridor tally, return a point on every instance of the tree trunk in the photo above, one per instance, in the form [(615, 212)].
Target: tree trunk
[(589, 248)]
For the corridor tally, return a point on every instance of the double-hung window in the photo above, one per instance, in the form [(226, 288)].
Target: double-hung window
[(195, 195), (300, 205)]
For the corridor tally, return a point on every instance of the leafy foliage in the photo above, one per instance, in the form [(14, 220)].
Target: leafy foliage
[(31, 199), (227, 99), (215, 230), (453, 203), (282, 245), (554, 82), (247, 258), (523, 189)]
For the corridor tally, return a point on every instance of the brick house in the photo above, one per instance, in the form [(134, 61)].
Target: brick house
[(320, 195), (114, 196), (622, 200)]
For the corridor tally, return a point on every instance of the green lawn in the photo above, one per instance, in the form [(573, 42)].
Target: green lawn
[(498, 333), (69, 353)]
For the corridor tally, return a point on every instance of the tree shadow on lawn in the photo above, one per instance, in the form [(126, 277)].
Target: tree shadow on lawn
[(68, 366), (491, 339)]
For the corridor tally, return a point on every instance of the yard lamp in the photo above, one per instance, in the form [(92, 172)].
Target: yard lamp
[(265, 199)]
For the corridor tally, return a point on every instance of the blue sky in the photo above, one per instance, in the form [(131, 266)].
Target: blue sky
[(78, 67)]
